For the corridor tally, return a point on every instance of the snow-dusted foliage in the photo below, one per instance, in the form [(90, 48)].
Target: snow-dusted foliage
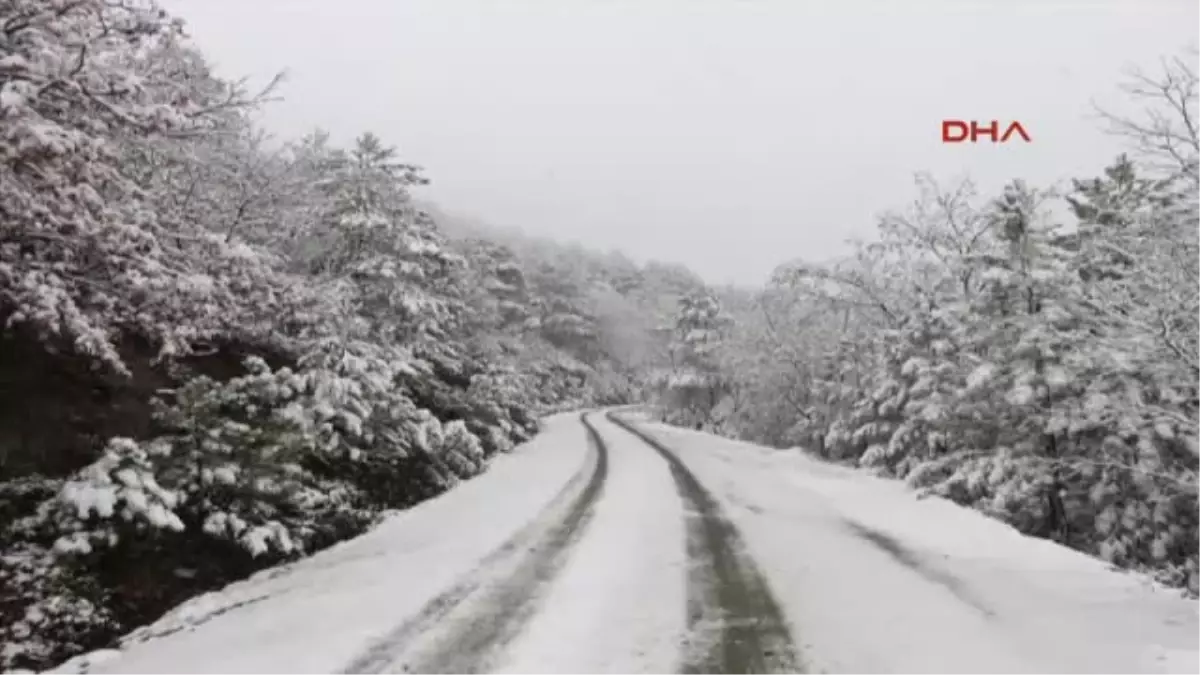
[(694, 385), (84, 254), (1043, 372), (246, 348)]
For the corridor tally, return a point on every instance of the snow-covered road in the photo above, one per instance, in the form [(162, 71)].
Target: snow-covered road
[(597, 548)]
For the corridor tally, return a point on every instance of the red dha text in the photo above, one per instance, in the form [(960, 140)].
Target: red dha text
[(957, 131)]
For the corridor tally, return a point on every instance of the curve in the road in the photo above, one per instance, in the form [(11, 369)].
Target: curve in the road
[(485, 610), (735, 623)]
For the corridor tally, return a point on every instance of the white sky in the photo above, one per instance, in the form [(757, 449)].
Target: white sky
[(728, 135)]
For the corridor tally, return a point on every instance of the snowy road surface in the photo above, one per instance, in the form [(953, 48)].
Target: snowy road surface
[(605, 545)]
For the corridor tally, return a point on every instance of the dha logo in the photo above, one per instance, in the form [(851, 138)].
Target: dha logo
[(957, 131)]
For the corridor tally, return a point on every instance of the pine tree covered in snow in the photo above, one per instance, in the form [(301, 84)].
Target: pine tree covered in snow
[(694, 385)]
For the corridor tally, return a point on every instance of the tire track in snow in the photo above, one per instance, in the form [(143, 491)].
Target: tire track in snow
[(735, 624), (912, 560), (462, 628)]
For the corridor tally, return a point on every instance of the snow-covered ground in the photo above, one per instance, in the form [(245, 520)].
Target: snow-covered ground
[(318, 615), (875, 580), (618, 607), (870, 578)]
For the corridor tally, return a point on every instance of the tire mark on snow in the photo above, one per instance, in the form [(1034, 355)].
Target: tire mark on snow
[(485, 610), (735, 625), (913, 561)]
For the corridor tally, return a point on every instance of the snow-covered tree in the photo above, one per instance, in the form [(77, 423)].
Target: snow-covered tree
[(695, 385), (291, 344), (1043, 374)]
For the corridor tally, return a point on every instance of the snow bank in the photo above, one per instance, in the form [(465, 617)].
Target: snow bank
[(315, 615), (877, 580)]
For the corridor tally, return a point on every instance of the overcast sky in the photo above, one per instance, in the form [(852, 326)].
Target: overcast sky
[(728, 135)]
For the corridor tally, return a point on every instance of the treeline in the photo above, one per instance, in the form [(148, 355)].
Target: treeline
[(1037, 368), (222, 351)]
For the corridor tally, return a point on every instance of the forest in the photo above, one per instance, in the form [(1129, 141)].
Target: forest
[(223, 351)]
